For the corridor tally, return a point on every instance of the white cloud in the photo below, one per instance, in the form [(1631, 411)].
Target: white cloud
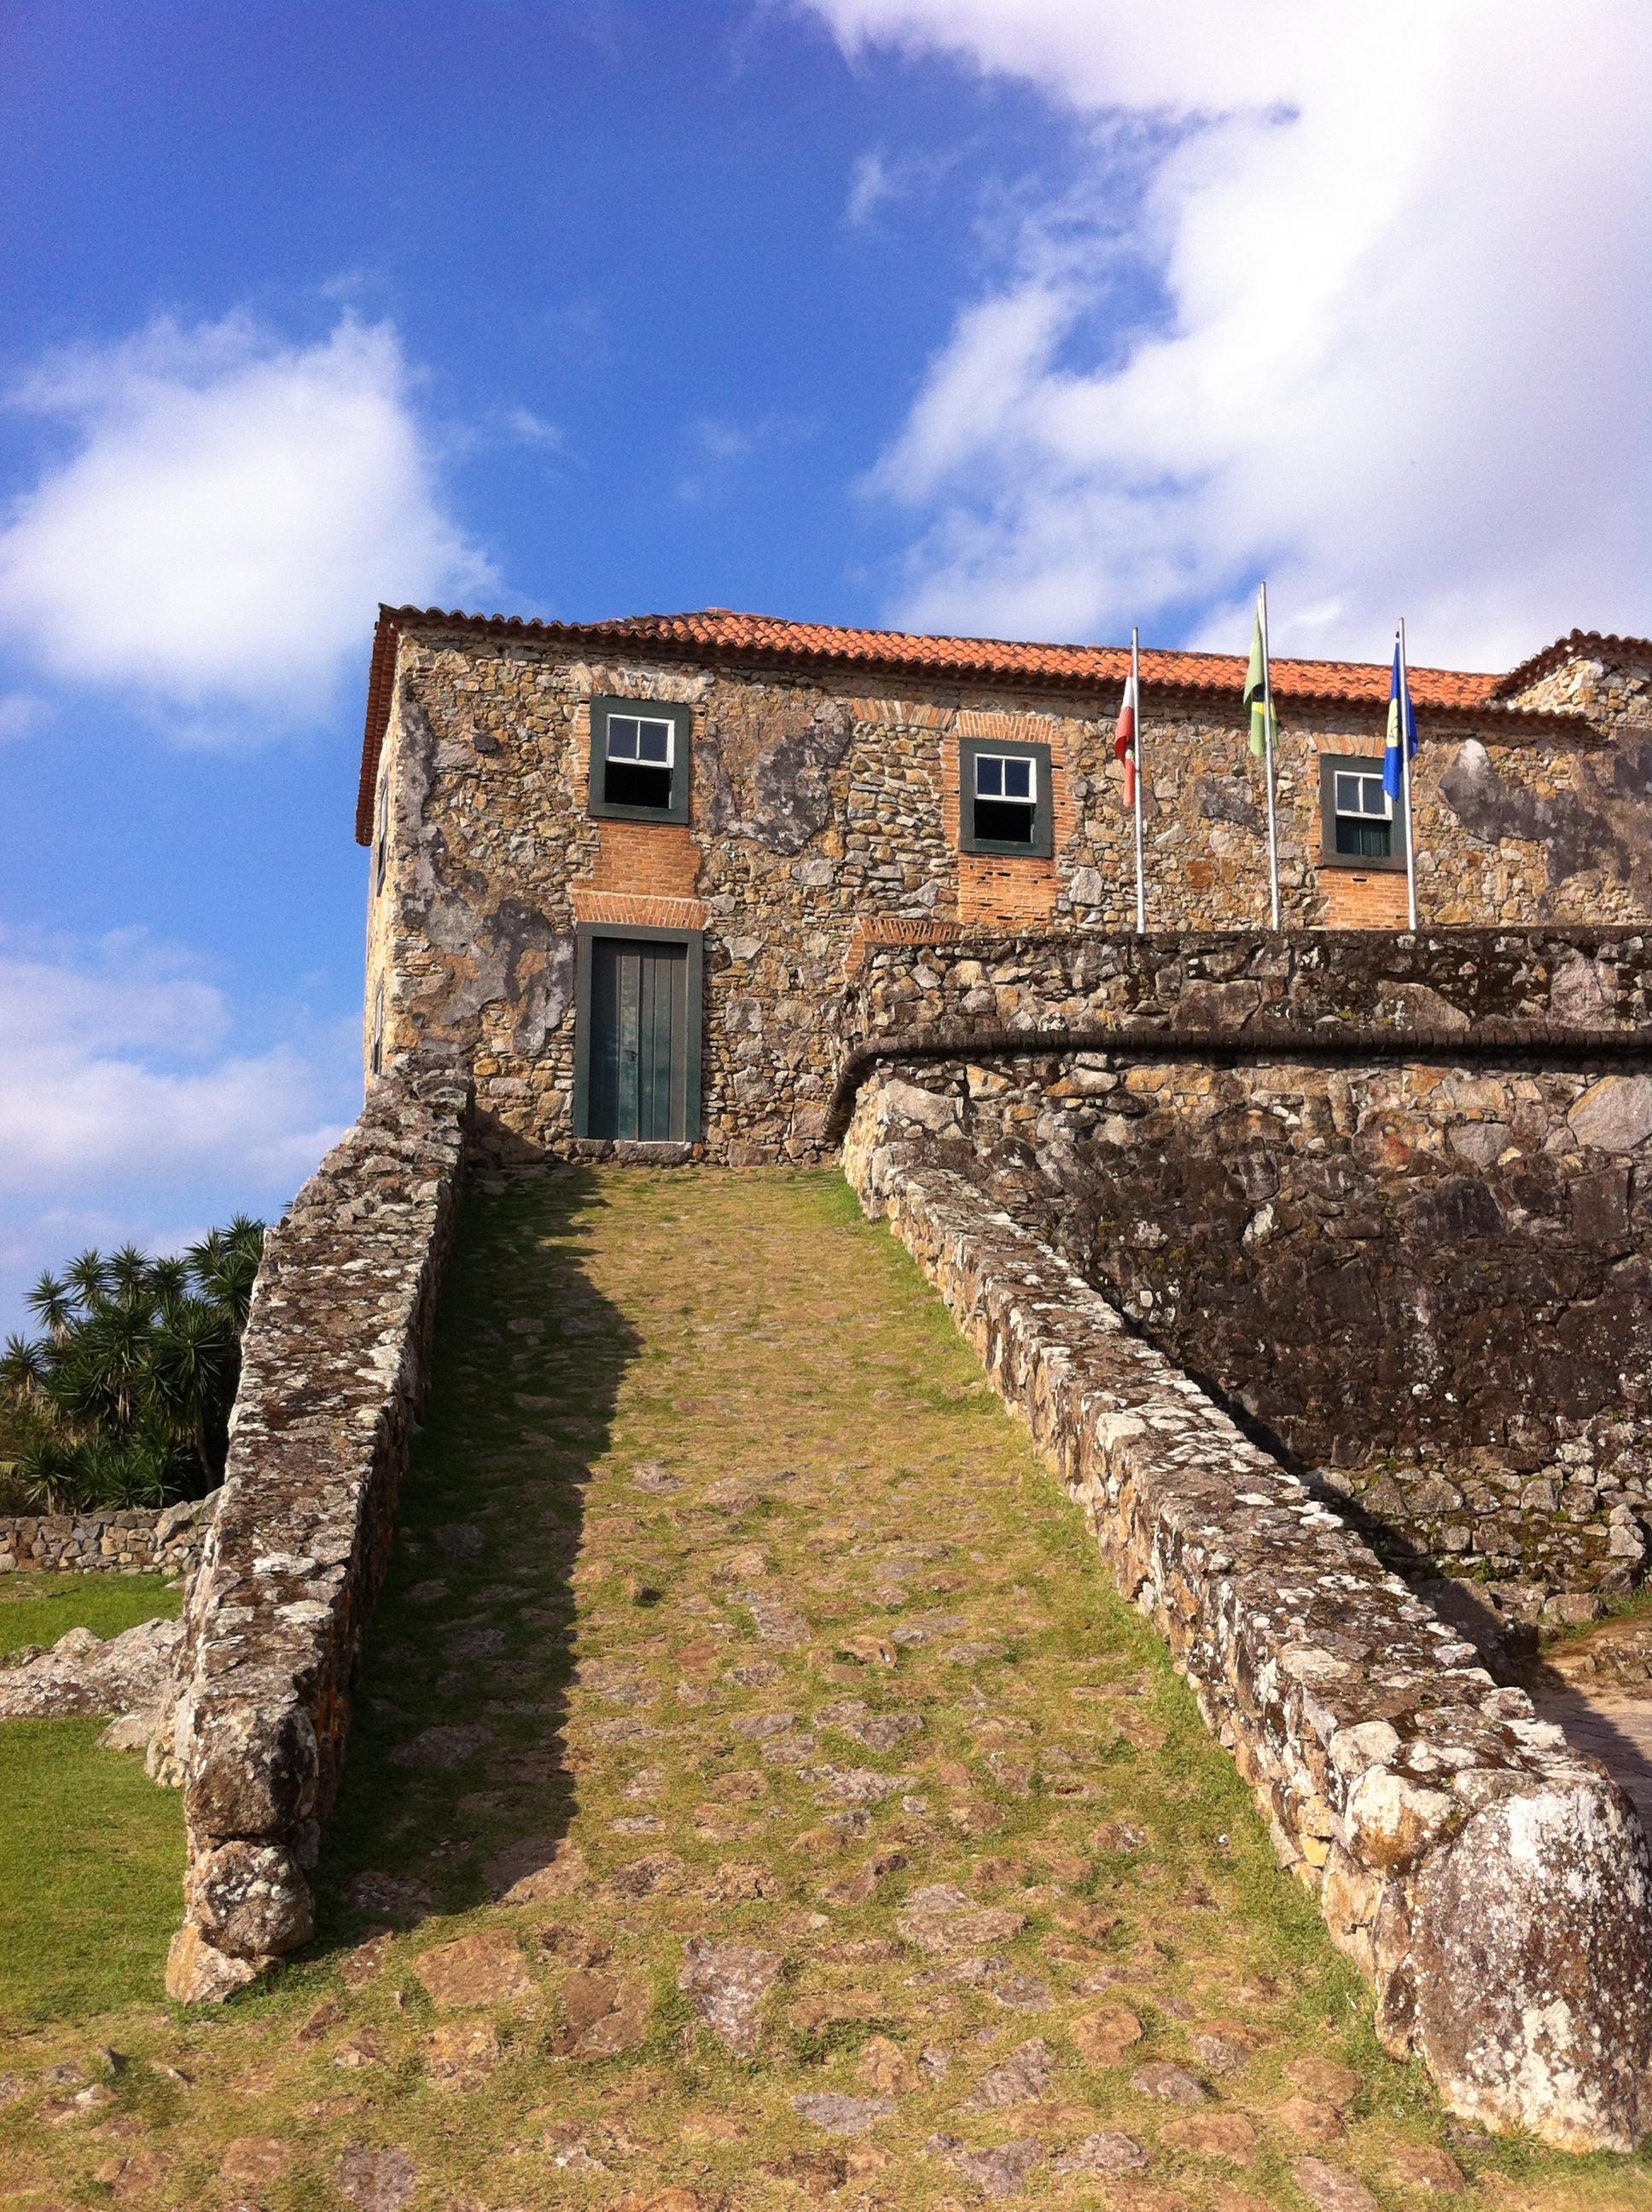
[(530, 429), (877, 180), (123, 1106), (870, 183), (1395, 351), (231, 511)]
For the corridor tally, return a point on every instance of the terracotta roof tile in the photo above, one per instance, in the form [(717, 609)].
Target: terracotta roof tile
[(718, 633), (1577, 644)]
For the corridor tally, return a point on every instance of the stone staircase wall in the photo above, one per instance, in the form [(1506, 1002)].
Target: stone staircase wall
[(333, 1371)]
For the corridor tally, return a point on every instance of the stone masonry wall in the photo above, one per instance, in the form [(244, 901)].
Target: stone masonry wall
[(821, 808), (1574, 977), (1495, 1887), (1430, 1284), (164, 1540), (332, 1371), (1422, 1282)]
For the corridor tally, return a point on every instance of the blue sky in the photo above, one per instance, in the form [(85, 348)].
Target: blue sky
[(934, 312)]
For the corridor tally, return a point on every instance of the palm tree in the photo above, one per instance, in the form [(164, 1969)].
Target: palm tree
[(22, 1368), (225, 1263), (88, 1276), (126, 1397), (193, 1372)]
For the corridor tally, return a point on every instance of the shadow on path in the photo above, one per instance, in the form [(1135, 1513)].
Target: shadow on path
[(457, 1787)]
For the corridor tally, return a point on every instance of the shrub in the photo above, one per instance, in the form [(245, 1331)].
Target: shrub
[(125, 1398)]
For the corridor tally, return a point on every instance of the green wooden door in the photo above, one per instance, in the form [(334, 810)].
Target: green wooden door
[(639, 1040)]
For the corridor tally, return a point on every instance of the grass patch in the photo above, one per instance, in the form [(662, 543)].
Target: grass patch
[(91, 1858), (39, 1608)]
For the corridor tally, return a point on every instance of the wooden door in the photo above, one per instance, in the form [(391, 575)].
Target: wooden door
[(639, 1040)]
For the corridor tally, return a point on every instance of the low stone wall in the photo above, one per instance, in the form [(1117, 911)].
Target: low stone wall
[(163, 1540), (1424, 1161), (1495, 1887), (333, 1368), (1447, 980)]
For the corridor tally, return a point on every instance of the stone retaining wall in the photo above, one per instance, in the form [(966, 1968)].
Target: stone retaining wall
[(1495, 1887), (163, 1540), (1446, 979), (333, 1368), (1473, 1245), (1453, 1203)]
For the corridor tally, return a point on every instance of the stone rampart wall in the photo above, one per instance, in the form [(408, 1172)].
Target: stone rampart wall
[(1581, 977), (164, 1540), (333, 1368), (1468, 1233), (1494, 1886)]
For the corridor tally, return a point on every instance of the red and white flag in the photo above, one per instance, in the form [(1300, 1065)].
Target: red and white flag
[(1124, 742)]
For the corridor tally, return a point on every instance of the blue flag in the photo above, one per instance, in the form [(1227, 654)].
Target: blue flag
[(1399, 713)]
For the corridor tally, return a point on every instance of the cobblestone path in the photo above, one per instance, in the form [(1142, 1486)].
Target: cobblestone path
[(1598, 1686), (758, 1797)]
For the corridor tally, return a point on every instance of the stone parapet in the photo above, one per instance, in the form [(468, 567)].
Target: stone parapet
[(333, 1368), (1353, 980), (1495, 1887), (1472, 1242), (164, 1540)]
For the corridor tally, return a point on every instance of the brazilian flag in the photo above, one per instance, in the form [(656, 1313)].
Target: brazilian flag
[(1255, 687)]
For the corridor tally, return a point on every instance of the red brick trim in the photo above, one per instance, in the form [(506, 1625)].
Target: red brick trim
[(637, 910), (895, 929)]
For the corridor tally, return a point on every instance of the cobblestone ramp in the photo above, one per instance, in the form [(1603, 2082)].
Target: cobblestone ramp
[(833, 1824), (756, 1795)]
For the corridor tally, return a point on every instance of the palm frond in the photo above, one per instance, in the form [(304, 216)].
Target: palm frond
[(88, 1274), (53, 1301)]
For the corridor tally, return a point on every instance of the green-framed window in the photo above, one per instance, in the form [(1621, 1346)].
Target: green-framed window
[(640, 760), (1359, 826), (1004, 799)]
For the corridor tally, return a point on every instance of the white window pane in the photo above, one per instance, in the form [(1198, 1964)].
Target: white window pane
[(622, 731), (1346, 800), (1377, 799), (1017, 779), (989, 776), (654, 743)]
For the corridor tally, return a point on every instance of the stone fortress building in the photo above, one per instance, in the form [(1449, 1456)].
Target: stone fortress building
[(1317, 1263), (627, 867)]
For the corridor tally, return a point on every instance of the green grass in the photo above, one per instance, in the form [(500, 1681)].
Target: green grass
[(91, 1852), (91, 1856), (39, 1608)]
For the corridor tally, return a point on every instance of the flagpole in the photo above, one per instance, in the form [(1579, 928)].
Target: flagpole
[(1267, 740), (1135, 687), (1404, 781)]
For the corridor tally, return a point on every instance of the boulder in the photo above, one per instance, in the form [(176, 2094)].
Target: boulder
[(81, 1673), (1532, 1934)]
